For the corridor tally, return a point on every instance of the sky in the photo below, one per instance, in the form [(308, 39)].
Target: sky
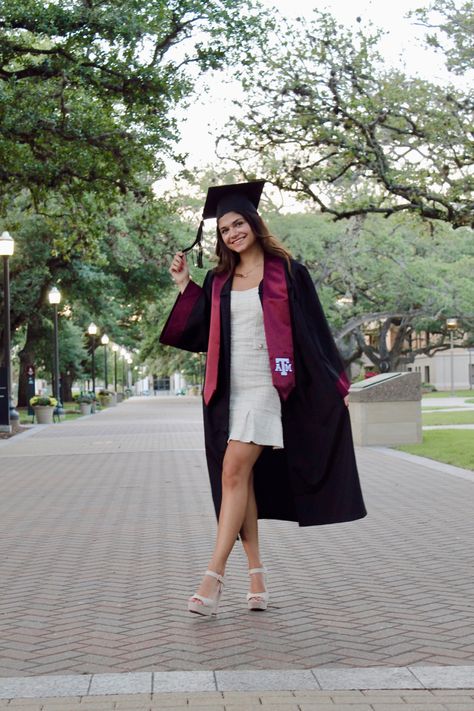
[(402, 45)]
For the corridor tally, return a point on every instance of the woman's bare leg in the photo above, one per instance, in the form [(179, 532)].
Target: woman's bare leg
[(239, 460), (249, 536)]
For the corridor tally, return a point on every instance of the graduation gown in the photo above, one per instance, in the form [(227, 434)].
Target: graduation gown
[(314, 479)]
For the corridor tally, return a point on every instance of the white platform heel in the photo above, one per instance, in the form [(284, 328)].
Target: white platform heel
[(208, 605), (258, 600)]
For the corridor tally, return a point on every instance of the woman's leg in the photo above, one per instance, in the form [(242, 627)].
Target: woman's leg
[(249, 536), (239, 460)]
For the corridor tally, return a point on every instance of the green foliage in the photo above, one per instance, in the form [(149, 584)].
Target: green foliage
[(87, 89), (43, 401), (327, 121), (88, 92), (84, 398), (449, 24), (405, 274)]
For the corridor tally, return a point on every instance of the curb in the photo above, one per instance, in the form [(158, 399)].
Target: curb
[(378, 678), (426, 462)]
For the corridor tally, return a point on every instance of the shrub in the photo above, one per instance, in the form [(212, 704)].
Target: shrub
[(43, 401)]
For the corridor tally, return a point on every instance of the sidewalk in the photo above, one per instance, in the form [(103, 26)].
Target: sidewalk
[(303, 700), (106, 525)]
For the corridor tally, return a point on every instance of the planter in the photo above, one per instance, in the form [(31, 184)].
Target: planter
[(44, 414), (85, 407), (105, 401)]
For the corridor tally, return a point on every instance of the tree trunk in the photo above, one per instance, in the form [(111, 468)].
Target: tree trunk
[(27, 357), (66, 387)]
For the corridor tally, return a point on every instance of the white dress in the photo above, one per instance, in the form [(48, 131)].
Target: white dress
[(255, 409)]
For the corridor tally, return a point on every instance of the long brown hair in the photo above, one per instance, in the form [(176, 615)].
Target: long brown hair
[(228, 259)]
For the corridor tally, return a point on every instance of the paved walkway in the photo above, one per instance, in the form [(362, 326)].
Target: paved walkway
[(106, 525), (448, 427), (450, 404), (305, 698)]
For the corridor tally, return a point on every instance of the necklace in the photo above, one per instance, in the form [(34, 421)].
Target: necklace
[(244, 276)]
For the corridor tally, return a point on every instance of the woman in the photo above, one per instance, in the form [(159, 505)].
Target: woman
[(277, 430)]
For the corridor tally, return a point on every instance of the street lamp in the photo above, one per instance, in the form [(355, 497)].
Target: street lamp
[(451, 325), (92, 331), (7, 411), (123, 353), (105, 340), (129, 372), (54, 298), (115, 348)]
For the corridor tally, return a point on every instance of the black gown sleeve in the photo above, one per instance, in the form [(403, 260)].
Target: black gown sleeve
[(187, 326), (318, 327)]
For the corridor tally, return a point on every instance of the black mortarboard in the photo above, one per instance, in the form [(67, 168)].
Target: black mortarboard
[(239, 197)]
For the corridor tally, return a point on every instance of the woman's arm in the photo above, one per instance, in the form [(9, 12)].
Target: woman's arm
[(187, 326), (179, 271)]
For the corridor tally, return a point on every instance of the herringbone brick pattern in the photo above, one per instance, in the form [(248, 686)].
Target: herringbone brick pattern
[(106, 525)]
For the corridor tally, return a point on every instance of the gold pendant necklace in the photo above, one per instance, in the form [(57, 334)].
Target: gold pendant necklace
[(244, 276)]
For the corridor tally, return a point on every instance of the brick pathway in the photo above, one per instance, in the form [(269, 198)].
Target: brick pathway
[(361, 700), (106, 525)]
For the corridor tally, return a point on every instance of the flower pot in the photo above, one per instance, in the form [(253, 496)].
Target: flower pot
[(85, 407), (44, 414), (105, 401)]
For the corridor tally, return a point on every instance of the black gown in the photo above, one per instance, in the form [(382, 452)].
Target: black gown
[(314, 479)]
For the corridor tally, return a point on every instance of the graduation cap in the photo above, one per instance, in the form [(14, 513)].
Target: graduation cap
[(239, 197)]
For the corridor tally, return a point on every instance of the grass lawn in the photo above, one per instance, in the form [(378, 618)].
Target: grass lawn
[(449, 446), (457, 393), (449, 418)]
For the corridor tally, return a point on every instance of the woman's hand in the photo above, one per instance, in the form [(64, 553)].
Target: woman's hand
[(179, 271), (346, 400)]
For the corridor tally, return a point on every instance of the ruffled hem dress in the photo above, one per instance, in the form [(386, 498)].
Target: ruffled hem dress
[(255, 408)]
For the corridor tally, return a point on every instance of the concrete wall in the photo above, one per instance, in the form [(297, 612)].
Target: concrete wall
[(386, 423), (437, 370), (386, 410)]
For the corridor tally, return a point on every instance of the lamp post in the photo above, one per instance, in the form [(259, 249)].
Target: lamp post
[(451, 325), (470, 367), (105, 340), (123, 353), (54, 298), (92, 331), (115, 349), (129, 372), (8, 412)]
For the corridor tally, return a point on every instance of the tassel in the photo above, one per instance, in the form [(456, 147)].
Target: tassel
[(197, 242)]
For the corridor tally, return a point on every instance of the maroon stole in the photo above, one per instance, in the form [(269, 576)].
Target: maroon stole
[(343, 384), (277, 323)]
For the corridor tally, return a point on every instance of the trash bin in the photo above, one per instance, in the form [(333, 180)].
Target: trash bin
[(386, 409)]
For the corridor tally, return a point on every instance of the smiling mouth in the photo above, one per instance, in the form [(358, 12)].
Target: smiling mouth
[(238, 239)]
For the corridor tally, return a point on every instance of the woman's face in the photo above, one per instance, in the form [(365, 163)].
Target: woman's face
[(236, 232)]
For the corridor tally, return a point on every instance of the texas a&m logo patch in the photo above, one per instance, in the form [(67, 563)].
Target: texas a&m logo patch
[(283, 366)]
